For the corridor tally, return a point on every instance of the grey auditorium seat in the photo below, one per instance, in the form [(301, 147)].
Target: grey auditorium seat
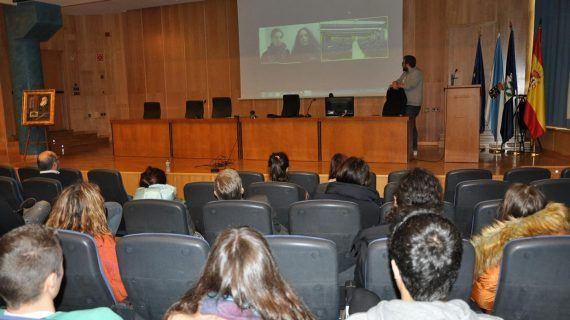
[(384, 211), (338, 221), (379, 279), (468, 194), (41, 189), (308, 180), (157, 269), (249, 177), (449, 211), (197, 194), (395, 176), (8, 171), (389, 191), (85, 285), (372, 182), (526, 175), (486, 213), (10, 192), (280, 195), (309, 265), (71, 175), (565, 173), (557, 190), (28, 172), (156, 216), (533, 283), (110, 183), (454, 177), (223, 214)]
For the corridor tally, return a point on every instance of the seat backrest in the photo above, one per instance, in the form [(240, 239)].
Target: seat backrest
[(395, 176), (452, 178), (28, 172), (372, 182), (389, 191), (308, 180), (526, 175), (8, 171), (309, 265), (555, 189), (384, 211), (221, 107), (223, 214), (157, 269), (8, 218), (565, 173), (379, 278), (197, 194), (42, 189), (194, 109), (151, 110), (291, 105), (468, 194), (280, 195), (10, 192), (111, 184), (533, 283), (486, 213), (156, 216), (449, 211), (249, 177), (84, 284), (71, 175), (338, 221)]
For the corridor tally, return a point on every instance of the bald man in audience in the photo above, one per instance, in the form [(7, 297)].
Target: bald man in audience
[(48, 163)]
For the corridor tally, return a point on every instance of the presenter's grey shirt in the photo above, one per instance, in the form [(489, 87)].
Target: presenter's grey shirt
[(413, 81)]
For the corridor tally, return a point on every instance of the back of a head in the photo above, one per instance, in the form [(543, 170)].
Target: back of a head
[(278, 164), (419, 188), (522, 200), (411, 60), (228, 185), (46, 160), (354, 170), (240, 265), (28, 255), (336, 163), (80, 207), (152, 176), (427, 249)]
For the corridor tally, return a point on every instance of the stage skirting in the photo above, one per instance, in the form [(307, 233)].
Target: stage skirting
[(376, 139)]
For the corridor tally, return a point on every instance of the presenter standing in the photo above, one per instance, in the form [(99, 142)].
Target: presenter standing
[(412, 81)]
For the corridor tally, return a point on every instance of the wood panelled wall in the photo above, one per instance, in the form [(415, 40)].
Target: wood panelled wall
[(191, 51)]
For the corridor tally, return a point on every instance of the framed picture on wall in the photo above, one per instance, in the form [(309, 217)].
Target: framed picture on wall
[(38, 107)]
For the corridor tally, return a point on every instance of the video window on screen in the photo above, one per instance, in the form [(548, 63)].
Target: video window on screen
[(324, 41)]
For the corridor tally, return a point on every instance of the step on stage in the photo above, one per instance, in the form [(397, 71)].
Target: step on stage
[(192, 170)]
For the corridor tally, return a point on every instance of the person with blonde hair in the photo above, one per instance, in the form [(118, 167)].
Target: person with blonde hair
[(240, 281), (81, 208)]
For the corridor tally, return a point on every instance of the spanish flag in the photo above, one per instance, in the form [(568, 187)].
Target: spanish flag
[(535, 108)]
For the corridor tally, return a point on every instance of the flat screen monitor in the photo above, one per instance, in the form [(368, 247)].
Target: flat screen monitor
[(339, 106)]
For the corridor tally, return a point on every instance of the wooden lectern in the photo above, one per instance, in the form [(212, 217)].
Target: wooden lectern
[(462, 105)]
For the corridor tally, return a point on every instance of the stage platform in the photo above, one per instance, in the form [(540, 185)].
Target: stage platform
[(191, 170)]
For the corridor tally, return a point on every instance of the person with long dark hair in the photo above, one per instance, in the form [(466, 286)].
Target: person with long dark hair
[(306, 47), (240, 281), (278, 165)]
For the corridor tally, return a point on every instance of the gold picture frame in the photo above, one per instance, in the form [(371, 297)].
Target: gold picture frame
[(38, 107)]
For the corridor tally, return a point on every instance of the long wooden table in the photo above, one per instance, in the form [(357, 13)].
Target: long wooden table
[(376, 139)]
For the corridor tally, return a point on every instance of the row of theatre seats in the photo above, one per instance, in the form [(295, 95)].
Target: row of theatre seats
[(159, 260)]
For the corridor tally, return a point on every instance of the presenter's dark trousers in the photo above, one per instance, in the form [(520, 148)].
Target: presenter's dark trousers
[(412, 112)]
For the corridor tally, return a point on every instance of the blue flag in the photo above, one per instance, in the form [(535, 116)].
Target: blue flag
[(479, 78), (507, 122), (496, 87)]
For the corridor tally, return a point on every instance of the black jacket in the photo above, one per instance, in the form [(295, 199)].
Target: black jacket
[(395, 104), (368, 200), (59, 177)]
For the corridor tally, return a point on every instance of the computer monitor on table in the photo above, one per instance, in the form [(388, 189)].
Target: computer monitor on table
[(339, 106)]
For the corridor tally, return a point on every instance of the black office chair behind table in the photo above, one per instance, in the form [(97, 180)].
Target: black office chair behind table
[(221, 107), (194, 109), (151, 110), (291, 106)]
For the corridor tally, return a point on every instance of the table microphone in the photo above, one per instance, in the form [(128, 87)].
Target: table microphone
[(308, 115), (252, 114)]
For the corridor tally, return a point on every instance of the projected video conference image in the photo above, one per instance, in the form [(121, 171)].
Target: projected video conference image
[(316, 47), (349, 39)]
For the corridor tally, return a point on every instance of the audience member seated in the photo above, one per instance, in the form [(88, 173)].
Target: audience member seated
[(81, 208), (278, 166), (523, 214), (240, 281), (336, 163), (228, 186), (31, 271), (418, 189), (425, 255), (351, 184), (48, 163), (152, 185)]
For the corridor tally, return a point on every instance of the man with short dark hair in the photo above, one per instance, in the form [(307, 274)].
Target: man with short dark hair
[(31, 271), (425, 251), (412, 81)]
